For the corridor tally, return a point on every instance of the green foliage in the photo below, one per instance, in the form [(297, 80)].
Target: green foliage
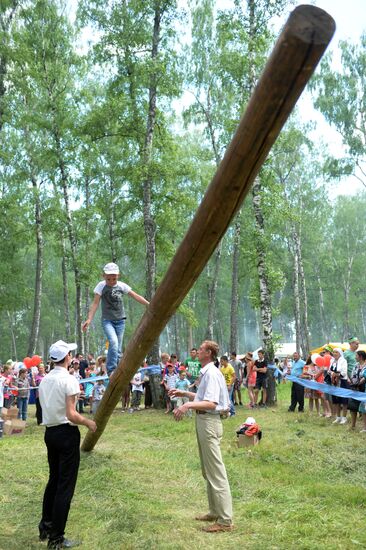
[(341, 99), (89, 109)]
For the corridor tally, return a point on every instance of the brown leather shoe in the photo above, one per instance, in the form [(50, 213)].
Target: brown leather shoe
[(206, 517), (217, 528)]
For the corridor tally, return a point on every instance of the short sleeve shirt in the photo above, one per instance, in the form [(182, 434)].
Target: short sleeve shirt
[(212, 387), (297, 367), (261, 365), (112, 300), (53, 390), (350, 357), (170, 380), (228, 372), (194, 367), (237, 366), (182, 384), (98, 392), (136, 382)]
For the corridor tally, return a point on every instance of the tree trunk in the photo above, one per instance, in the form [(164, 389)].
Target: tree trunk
[(211, 292), (7, 13), (3, 71), (65, 290), (112, 221), (347, 292), (363, 320), (323, 315), (86, 335), (149, 222), (215, 263), (265, 296), (71, 235), (304, 327), (235, 286), (157, 394), (297, 314), (176, 337), (264, 290), (14, 353), (271, 388), (34, 333)]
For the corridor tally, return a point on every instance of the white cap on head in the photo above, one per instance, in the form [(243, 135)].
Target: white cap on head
[(60, 349), (111, 269), (250, 420)]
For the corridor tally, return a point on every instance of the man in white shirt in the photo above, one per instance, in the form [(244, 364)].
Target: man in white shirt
[(210, 402), (58, 393)]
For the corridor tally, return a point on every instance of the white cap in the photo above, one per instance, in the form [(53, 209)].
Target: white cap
[(111, 269), (60, 349), (250, 420)]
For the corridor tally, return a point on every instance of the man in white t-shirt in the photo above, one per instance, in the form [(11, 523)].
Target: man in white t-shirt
[(210, 402), (110, 292), (58, 393)]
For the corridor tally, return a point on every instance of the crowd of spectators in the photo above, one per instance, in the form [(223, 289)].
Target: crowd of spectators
[(249, 373)]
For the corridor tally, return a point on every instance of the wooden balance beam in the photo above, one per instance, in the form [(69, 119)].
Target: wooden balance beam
[(297, 52)]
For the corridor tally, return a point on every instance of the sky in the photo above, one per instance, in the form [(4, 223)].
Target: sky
[(350, 19)]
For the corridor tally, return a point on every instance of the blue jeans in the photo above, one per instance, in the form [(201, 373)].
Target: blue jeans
[(22, 404), (114, 332), (231, 401)]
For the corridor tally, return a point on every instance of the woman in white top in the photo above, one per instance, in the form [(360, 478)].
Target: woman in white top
[(338, 370)]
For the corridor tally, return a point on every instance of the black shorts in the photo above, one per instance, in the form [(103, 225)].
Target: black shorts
[(261, 384)]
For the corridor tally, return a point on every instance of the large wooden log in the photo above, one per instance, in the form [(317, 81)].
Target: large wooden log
[(298, 50)]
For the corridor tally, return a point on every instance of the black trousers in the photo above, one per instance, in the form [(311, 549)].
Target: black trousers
[(63, 452), (297, 397), (38, 411)]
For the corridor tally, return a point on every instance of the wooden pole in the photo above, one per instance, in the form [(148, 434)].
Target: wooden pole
[(297, 52)]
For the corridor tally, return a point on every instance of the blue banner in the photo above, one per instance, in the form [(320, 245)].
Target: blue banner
[(326, 388)]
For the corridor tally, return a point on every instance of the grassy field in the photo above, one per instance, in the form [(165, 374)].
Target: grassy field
[(302, 487)]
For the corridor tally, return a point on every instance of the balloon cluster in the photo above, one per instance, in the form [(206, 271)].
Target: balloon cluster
[(32, 361), (321, 360)]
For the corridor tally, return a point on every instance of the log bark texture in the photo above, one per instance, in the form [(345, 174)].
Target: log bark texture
[(298, 50)]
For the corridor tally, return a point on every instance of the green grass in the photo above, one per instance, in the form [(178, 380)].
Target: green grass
[(302, 487)]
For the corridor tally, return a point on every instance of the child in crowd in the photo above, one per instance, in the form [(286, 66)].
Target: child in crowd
[(97, 394), (76, 366), (169, 381), (23, 385), (126, 396), (182, 384), (101, 365), (327, 398), (174, 361), (165, 360), (88, 386), (81, 399), (315, 373), (137, 391), (286, 369), (8, 384)]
